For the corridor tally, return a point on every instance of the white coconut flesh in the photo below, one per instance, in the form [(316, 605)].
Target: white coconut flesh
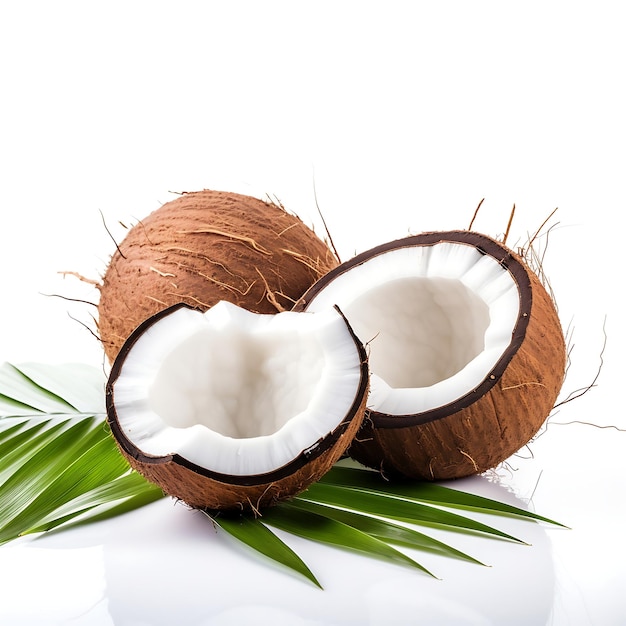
[(235, 392), (435, 320)]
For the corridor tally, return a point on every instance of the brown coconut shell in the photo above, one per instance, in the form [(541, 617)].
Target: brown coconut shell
[(204, 247), (202, 488), (483, 428)]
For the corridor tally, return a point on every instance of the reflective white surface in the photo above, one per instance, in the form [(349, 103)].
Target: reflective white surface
[(165, 563), (403, 116)]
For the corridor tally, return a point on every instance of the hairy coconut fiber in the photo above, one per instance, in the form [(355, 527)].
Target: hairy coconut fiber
[(482, 428), (200, 488), (204, 247)]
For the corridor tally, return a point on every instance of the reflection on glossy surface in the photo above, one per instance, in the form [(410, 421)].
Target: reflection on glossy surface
[(43, 586), (165, 563)]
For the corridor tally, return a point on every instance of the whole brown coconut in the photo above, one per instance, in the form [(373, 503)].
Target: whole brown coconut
[(466, 352), (204, 247)]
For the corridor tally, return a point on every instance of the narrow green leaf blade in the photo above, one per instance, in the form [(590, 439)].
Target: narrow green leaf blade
[(256, 535), (59, 466), (20, 389), (11, 407), (386, 530), (325, 529), (79, 385), (14, 435), (118, 496), (23, 496), (422, 491), (93, 463), (137, 497), (9, 430), (18, 450), (398, 509)]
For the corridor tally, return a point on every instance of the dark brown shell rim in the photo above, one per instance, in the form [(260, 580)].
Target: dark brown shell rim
[(309, 454), (485, 245)]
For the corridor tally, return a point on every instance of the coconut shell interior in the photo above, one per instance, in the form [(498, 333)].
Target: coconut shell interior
[(200, 488), (480, 429), (203, 488)]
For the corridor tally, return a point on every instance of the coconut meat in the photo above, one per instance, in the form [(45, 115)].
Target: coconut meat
[(435, 320), (236, 392)]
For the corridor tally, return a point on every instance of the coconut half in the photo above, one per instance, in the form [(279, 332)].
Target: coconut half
[(465, 348), (230, 409)]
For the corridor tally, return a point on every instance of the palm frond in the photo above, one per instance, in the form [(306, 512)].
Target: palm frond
[(58, 463), (60, 467), (261, 539), (426, 492)]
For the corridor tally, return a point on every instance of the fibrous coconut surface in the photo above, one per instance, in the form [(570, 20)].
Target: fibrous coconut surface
[(230, 409), (465, 346), (204, 247)]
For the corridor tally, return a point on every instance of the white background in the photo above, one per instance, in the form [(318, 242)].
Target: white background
[(401, 116)]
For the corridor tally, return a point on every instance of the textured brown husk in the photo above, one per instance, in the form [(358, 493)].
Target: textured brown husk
[(202, 488), (204, 247), (477, 431)]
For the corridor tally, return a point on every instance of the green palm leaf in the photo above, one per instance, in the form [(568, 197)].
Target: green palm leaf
[(120, 495), (51, 389), (58, 463), (59, 467), (425, 492), (385, 530), (317, 524), (398, 508), (256, 535)]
